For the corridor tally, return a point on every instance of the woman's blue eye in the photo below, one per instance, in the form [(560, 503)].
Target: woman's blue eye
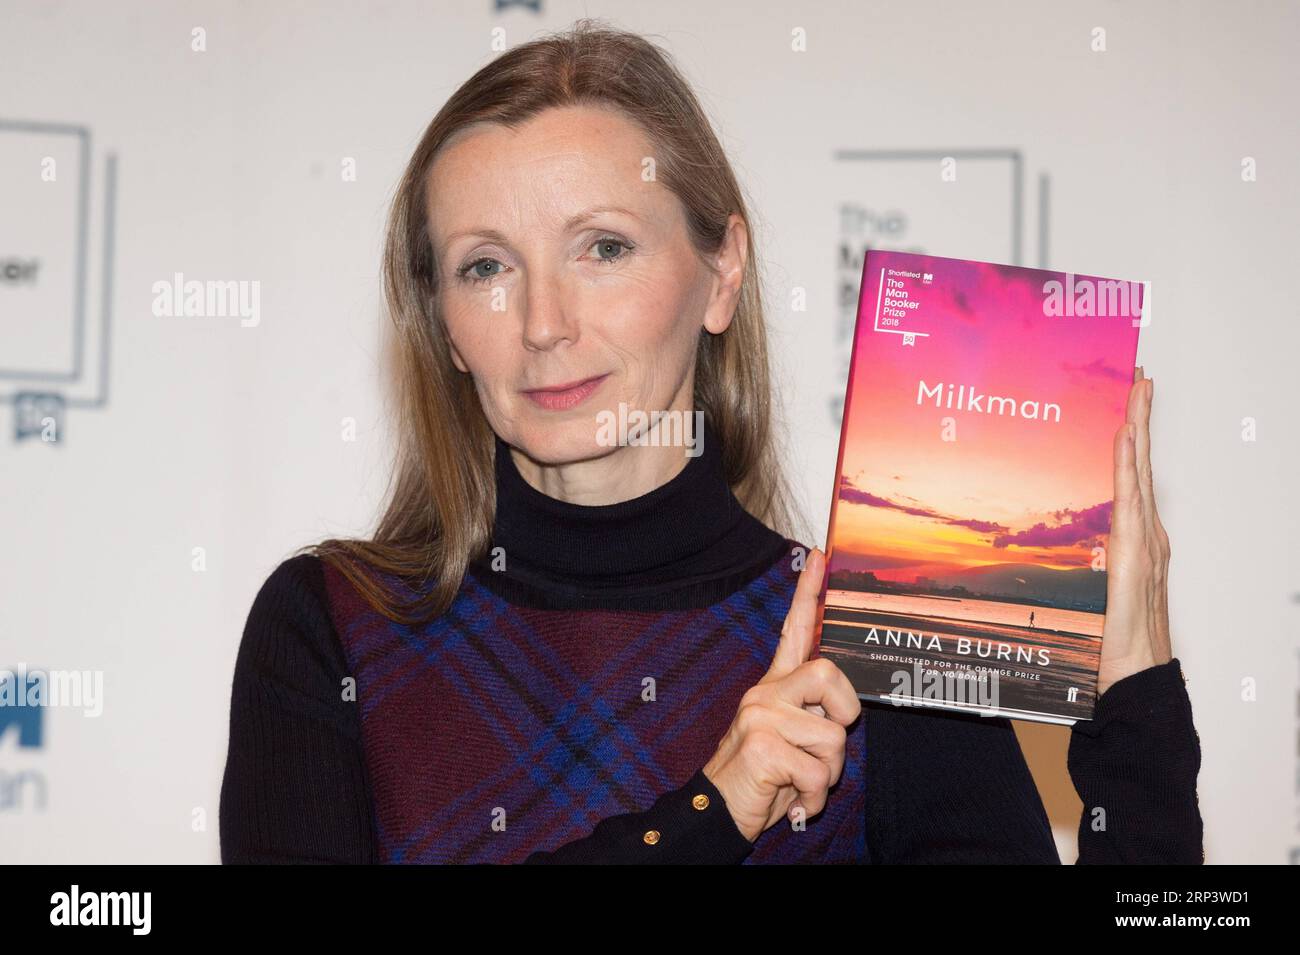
[(606, 243), (473, 269)]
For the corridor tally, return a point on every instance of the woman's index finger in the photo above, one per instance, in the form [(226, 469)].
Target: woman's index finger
[(801, 621)]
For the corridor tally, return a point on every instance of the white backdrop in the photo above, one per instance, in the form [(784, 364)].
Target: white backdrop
[(182, 433)]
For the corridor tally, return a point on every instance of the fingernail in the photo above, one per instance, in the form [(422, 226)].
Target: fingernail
[(1129, 429)]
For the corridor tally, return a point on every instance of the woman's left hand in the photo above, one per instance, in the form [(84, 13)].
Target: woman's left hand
[(1136, 632)]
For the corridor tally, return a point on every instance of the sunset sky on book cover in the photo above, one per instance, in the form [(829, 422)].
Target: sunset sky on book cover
[(975, 483)]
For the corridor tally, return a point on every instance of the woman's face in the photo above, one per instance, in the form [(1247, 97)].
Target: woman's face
[(561, 263)]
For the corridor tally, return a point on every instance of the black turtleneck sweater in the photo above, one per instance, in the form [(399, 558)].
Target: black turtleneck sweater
[(562, 709)]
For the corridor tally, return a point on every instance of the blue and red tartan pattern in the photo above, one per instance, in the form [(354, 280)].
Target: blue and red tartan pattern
[(497, 730)]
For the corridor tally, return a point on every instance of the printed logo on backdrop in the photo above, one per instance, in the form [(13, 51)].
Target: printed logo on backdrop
[(56, 265), (22, 725), (954, 203)]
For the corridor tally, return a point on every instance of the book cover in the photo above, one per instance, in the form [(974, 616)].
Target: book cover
[(969, 522)]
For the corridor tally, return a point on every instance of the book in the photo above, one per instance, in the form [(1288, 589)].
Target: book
[(971, 510)]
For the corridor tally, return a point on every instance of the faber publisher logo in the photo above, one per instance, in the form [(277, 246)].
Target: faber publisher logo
[(102, 908)]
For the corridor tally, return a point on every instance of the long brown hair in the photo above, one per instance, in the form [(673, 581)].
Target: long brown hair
[(442, 495)]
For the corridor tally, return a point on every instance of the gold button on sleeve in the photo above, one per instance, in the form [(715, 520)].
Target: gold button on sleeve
[(700, 802), (651, 837)]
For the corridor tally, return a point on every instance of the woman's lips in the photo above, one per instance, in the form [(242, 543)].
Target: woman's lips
[(565, 396)]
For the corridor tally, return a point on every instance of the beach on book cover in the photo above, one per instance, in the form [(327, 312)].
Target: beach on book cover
[(966, 548)]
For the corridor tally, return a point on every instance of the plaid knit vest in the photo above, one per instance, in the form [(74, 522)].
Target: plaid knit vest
[(596, 670)]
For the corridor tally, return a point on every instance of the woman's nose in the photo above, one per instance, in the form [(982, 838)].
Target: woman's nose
[(548, 317)]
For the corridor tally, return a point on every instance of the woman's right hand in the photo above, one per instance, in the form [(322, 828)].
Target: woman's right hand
[(785, 747)]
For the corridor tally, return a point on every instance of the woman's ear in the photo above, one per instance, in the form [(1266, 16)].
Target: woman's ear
[(729, 265)]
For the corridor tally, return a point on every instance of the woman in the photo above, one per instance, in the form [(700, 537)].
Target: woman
[(562, 649)]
